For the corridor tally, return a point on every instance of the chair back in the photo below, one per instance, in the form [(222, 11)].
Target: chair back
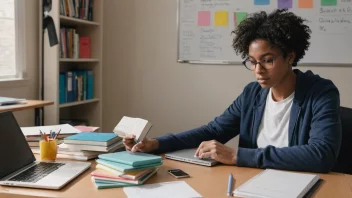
[(344, 160)]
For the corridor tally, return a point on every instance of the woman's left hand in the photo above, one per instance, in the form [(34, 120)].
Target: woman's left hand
[(217, 151)]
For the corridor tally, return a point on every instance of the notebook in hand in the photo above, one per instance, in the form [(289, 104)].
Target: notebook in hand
[(133, 159), (136, 126), (277, 184)]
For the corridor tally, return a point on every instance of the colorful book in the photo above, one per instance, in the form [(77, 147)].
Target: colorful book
[(106, 185), (133, 159), (124, 167), (93, 138), (124, 180), (125, 176)]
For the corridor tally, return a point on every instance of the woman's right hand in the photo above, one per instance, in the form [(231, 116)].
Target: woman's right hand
[(145, 146)]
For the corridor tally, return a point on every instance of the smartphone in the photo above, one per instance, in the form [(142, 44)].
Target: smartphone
[(178, 173)]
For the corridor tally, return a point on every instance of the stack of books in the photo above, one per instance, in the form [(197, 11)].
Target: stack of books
[(32, 134), (123, 169), (93, 141)]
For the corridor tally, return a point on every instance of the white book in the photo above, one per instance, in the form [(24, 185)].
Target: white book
[(277, 184), (83, 147), (137, 126), (63, 128)]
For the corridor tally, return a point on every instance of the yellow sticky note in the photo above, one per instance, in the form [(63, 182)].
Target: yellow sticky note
[(221, 18)]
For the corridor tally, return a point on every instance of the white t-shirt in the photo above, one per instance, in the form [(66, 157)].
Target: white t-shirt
[(273, 129)]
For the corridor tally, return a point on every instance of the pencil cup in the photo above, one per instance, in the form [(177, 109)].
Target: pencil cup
[(48, 150)]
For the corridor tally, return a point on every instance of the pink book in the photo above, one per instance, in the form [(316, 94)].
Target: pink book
[(86, 128), (84, 47)]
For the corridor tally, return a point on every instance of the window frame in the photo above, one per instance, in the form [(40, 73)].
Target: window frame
[(20, 43)]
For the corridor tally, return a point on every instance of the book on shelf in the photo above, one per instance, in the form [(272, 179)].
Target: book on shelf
[(84, 47), (81, 9), (275, 183), (132, 159), (93, 138), (136, 126), (76, 85)]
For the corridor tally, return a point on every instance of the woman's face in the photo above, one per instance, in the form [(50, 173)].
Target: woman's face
[(277, 67)]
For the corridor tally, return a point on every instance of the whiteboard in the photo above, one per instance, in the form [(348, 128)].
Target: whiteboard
[(205, 26)]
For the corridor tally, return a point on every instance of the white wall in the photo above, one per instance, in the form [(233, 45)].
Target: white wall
[(28, 88), (143, 79)]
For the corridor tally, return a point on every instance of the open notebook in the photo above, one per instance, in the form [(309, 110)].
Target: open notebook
[(277, 184)]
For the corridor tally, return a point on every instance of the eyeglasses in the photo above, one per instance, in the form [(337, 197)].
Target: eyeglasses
[(267, 63)]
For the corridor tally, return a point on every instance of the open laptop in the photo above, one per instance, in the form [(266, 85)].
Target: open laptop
[(18, 166), (187, 155)]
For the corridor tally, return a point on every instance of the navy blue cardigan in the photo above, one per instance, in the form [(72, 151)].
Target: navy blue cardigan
[(314, 128)]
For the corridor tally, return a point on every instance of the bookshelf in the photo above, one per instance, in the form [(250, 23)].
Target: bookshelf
[(89, 110)]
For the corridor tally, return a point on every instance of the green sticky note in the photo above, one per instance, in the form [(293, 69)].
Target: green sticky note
[(240, 16), (328, 2), (221, 18)]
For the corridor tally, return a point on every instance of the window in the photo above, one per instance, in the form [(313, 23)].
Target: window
[(11, 39)]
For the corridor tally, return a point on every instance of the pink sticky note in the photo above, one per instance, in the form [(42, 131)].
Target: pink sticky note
[(204, 18)]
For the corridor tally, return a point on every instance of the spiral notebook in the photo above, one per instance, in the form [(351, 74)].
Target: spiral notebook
[(277, 184)]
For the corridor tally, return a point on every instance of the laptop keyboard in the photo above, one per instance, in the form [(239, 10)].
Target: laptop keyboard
[(35, 173)]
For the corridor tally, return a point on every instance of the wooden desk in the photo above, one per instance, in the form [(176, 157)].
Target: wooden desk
[(349, 180), (208, 181), (37, 105)]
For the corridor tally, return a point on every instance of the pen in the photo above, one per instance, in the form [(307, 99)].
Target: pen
[(229, 186)]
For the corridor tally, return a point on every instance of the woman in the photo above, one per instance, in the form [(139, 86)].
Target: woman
[(288, 119)]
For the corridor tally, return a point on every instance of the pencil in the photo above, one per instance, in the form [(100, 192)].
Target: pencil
[(57, 135)]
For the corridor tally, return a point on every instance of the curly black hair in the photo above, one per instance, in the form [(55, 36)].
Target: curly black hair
[(280, 28)]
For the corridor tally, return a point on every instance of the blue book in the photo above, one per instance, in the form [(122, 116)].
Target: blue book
[(105, 185), (69, 90), (62, 88), (92, 138), (124, 167), (90, 84), (132, 159)]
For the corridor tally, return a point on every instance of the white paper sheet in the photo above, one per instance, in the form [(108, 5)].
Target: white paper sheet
[(65, 129), (178, 189)]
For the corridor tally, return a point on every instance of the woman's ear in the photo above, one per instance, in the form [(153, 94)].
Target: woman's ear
[(291, 57)]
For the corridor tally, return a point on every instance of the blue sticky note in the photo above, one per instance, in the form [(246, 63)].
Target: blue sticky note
[(261, 2)]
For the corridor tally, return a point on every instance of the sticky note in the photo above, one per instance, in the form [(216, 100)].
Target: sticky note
[(240, 16), (328, 2), (221, 18), (261, 2), (305, 3), (284, 4), (204, 18)]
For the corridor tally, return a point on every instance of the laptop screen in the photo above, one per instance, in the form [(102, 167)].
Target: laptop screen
[(14, 149)]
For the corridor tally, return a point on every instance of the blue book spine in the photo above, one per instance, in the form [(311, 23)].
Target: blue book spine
[(85, 81), (62, 88), (69, 92), (90, 85), (74, 86)]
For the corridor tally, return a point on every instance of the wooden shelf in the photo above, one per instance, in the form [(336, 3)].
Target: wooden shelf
[(79, 60), (64, 20), (70, 104)]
